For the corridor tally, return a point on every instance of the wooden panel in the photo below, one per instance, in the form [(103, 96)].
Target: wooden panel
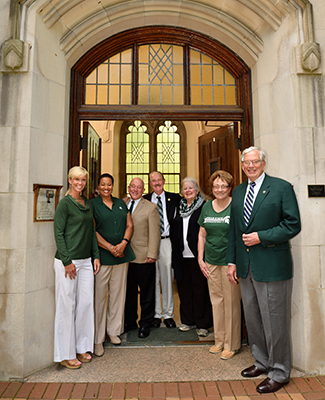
[(218, 147)]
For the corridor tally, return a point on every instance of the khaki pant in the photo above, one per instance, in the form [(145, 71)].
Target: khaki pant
[(110, 317), (225, 298)]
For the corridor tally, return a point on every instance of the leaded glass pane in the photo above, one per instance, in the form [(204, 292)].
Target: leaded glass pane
[(168, 155), (91, 94), (137, 152), (161, 67), (102, 94), (103, 74), (110, 82), (211, 84)]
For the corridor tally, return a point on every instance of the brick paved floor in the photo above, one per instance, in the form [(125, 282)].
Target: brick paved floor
[(309, 388)]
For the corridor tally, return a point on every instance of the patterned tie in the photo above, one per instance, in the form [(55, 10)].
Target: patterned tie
[(131, 206), (161, 214), (248, 206)]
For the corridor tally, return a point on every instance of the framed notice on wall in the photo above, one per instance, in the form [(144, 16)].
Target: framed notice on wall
[(46, 198)]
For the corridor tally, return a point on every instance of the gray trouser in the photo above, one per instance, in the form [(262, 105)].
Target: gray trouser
[(267, 314)]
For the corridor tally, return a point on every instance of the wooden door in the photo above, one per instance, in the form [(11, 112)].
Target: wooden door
[(91, 145), (218, 149)]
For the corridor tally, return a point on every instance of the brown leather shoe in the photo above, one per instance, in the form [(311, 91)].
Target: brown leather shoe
[(269, 386), (251, 372)]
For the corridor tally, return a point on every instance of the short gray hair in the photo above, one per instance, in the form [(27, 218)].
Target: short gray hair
[(195, 183), (252, 148)]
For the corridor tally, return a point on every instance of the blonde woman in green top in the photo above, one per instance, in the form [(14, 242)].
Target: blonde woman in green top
[(74, 274)]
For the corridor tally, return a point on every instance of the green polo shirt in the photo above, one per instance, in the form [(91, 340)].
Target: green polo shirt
[(217, 229), (111, 225), (74, 231)]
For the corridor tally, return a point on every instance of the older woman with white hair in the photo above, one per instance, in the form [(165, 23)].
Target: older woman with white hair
[(195, 305), (76, 243)]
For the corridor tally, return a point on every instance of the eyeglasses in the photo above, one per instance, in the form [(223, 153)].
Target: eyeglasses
[(222, 187), (254, 162)]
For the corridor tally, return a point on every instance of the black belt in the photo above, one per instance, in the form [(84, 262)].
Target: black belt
[(164, 237)]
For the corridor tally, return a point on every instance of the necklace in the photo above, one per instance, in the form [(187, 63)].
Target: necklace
[(79, 200)]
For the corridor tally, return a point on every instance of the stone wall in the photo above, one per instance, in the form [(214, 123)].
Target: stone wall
[(288, 117)]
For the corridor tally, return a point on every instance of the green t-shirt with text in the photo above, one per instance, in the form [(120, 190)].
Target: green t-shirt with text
[(217, 229)]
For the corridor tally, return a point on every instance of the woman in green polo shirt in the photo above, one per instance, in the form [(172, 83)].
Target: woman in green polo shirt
[(212, 247), (74, 274), (114, 229)]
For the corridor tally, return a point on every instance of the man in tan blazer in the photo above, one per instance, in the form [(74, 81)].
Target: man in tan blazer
[(142, 271)]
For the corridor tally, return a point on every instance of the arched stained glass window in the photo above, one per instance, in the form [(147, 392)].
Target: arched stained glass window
[(159, 76), (154, 146), (137, 153), (168, 155)]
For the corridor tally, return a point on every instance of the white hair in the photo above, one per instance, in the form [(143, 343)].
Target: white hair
[(252, 148)]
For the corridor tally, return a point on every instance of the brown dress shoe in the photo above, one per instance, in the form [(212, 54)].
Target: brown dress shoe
[(251, 372), (269, 386)]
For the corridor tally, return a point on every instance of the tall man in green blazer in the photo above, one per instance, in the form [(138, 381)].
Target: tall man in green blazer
[(264, 217)]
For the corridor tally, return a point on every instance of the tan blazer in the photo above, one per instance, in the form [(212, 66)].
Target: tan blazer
[(146, 231)]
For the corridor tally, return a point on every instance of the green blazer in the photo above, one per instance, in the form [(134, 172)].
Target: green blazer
[(275, 217)]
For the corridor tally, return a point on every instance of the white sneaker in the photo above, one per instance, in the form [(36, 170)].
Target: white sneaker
[(202, 332), (186, 328)]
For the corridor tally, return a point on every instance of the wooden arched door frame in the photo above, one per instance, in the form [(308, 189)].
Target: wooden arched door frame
[(187, 112)]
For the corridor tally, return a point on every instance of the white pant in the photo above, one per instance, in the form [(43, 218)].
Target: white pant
[(74, 313), (165, 274)]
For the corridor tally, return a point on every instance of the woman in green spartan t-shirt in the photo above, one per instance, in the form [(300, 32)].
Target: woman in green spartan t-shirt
[(212, 247)]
